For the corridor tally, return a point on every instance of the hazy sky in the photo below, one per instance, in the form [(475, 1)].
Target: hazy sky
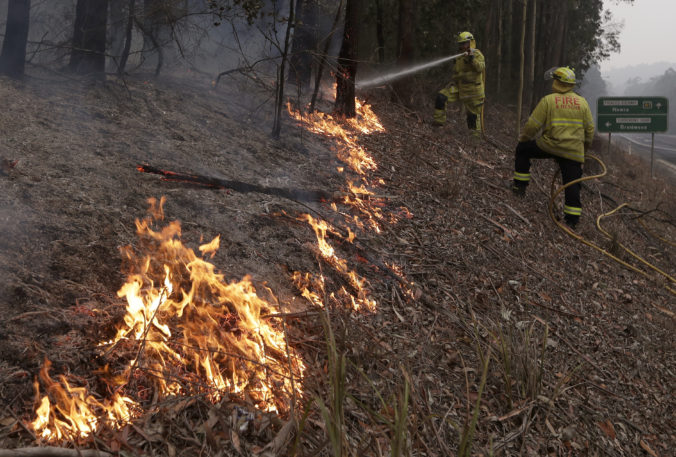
[(649, 33)]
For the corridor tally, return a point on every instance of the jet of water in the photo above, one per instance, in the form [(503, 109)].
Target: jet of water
[(382, 79)]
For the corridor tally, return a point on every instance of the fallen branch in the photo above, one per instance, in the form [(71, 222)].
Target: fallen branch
[(239, 186), (507, 231), (28, 314), (517, 214), (52, 452)]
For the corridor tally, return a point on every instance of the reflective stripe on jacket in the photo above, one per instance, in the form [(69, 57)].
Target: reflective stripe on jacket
[(468, 75), (566, 124)]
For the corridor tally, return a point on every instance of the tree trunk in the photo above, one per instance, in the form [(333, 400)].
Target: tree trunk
[(487, 44), (560, 38), (89, 38), (13, 56), (156, 33), (522, 61), (347, 62), (127, 40), (508, 37), (380, 34), (324, 56), (542, 59), (117, 20), (530, 73), (498, 52), (406, 54), (281, 74), (303, 44)]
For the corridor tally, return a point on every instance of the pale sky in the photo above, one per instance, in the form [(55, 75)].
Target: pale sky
[(648, 35)]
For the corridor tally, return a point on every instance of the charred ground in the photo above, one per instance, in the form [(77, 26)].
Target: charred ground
[(582, 349)]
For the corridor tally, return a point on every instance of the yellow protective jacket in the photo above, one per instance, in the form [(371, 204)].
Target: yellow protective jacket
[(566, 124), (468, 76)]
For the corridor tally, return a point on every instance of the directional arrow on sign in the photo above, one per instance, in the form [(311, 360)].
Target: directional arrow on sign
[(632, 114)]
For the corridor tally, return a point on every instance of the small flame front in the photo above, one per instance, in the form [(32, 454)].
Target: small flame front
[(185, 331)]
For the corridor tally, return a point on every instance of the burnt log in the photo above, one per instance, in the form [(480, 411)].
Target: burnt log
[(240, 186)]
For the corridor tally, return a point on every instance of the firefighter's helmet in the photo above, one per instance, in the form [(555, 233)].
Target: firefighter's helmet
[(566, 75), (464, 37)]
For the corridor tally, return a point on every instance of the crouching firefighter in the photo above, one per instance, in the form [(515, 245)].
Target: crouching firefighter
[(567, 129), (467, 85)]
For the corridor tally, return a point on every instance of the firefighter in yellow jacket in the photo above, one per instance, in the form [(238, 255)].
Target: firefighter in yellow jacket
[(567, 129), (467, 85)]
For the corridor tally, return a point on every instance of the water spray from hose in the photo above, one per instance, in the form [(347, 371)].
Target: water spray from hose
[(407, 71)]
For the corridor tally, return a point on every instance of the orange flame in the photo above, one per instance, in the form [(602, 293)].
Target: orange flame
[(75, 413), (186, 331), (328, 253)]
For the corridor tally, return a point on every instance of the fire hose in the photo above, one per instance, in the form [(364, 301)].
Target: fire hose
[(378, 80), (555, 193)]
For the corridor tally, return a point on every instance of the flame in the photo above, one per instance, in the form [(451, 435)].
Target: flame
[(186, 331), (360, 198), (340, 265), (350, 151), (75, 413)]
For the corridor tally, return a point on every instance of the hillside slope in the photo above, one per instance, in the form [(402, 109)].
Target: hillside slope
[(449, 267)]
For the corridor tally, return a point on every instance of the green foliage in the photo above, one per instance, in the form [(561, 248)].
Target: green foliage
[(592, 35), (333, 413), (394, 417), (577, 33), (467, 435)]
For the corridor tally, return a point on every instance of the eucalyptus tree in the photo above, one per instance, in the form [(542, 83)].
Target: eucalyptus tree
[(13, 55)]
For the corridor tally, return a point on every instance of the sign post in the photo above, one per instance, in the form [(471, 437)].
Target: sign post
[(633, 115)]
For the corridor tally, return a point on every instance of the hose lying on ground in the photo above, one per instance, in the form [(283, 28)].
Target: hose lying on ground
[(571, 233)]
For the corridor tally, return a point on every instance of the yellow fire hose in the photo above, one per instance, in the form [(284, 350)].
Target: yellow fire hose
[(571, 233)]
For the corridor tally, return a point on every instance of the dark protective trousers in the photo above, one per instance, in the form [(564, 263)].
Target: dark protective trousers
[(570, 171)]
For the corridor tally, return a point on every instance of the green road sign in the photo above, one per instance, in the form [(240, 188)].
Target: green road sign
[(632, 114)]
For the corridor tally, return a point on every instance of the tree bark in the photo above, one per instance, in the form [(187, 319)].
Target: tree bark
[(406, 54), (13, 56), (156, 32), (487, 45), (281, 75), (303, 44), (324, 56), (522, 61), (117, 20), (530, 73), (89, 38), (542, 62), (508, 37), (498, 52), (380, 34), (347, 62), (127, 40)]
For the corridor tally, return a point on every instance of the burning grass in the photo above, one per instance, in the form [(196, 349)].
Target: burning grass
[(186, 332), (403, 378)]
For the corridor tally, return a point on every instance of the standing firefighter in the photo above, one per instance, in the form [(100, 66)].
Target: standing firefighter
[(467, 85), (567, 129)]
